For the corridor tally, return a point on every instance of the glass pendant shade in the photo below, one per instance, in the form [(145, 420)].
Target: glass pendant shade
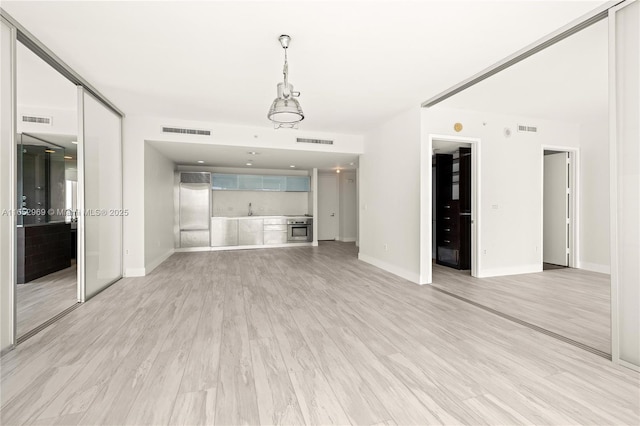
[(285, 110)]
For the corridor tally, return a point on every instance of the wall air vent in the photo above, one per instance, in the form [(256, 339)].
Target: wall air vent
[(318, 141), (36, 119), (183, 131), (527, 129)]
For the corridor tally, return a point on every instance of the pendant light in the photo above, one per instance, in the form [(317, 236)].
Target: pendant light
[(285, 111)]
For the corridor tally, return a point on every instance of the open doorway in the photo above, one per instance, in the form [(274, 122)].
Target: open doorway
[(451, 205)]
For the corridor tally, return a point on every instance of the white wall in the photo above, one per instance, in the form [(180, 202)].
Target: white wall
[(138, 129), (158, 208), (236, 203), (348, 206), (511, 183), (594, 253), (389, 193), (63, 121)]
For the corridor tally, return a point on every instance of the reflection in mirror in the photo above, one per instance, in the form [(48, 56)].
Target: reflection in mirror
[(544, 253), (46, 279)]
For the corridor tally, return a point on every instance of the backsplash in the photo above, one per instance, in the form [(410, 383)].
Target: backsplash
[(236, 203)]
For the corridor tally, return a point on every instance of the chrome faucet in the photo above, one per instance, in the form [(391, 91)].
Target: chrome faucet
[(250, 211)]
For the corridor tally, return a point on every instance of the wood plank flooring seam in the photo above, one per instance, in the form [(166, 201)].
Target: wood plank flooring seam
[(318, 363), (289, 372)]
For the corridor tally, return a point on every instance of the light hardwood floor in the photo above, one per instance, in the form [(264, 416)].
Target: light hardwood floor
[(300, 336), (44, 298), (573, 303)]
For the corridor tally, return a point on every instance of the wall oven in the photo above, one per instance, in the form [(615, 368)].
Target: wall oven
[(299, 230)]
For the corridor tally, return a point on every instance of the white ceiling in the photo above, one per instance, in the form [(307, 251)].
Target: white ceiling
[(233, 156), (356, 63), (39, 85), (566, 82), (65, 141)]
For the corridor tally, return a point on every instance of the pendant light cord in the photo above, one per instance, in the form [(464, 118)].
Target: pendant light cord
[(285, 71)]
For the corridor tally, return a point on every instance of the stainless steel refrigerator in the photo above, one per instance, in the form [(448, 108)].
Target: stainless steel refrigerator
[(195, 210)]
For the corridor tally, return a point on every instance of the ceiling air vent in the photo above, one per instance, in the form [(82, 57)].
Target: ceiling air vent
[(183, 131), (527, 129), (318, 141), (36, 119)]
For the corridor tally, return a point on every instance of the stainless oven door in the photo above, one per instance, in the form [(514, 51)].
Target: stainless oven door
[(299, 232)]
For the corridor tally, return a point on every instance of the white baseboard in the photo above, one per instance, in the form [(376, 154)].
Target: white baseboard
[(252, 247), (510, 270), (594, 267), (401, 272), (157, 261), (134, 272), (348, 239), (627, 364)]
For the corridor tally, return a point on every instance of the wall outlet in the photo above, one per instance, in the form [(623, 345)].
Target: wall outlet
[(484, 251), (126, 251)]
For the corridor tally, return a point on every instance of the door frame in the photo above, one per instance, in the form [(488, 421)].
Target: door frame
[(574, 201), (426, 200)]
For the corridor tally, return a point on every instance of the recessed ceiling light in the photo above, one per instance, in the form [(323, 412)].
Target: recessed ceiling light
[(74, 142), (252, 153), (351, 163), (249, 163), (200, 161), (292, 166), (338, 171), (50, 151), (67, 157)]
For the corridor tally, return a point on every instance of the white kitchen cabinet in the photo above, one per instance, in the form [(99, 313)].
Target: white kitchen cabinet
[(275, 237), (275, 231), (250, 232), (224, 232)]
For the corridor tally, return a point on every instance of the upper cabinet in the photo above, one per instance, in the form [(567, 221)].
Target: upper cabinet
[(250, 182), (274, 183), (232, 182), (224, 182), (298, 184)]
